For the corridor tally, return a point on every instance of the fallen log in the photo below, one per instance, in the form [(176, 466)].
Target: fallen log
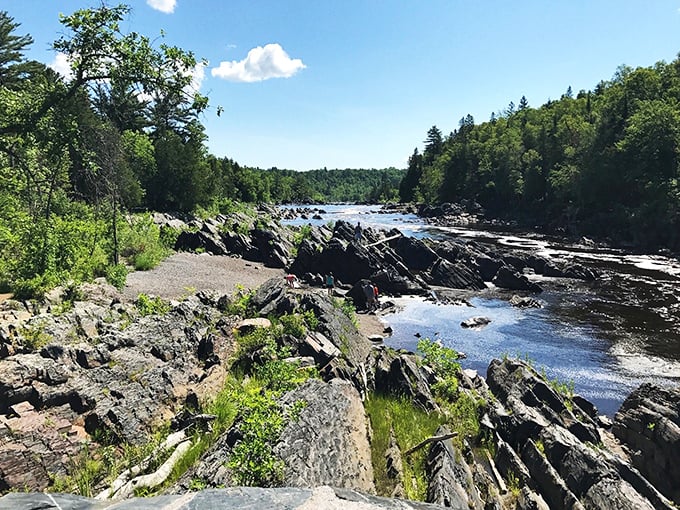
[(157, 477), (429, 440), (171, 441)]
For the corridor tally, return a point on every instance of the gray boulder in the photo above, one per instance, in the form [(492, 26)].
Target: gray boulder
[(507, 279)]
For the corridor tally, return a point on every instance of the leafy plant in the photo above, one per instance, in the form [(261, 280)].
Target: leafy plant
[(141, 243), (116, 275), (240, 301), (148, 305), (34, 335), (348, 309), (442, 359)]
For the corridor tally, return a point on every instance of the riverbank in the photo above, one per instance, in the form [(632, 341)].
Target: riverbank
[(183, 274)]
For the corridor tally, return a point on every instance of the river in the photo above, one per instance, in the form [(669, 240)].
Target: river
[(607, 336)]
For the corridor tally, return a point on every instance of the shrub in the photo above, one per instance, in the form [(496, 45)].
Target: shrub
[(151, 305), (294, 324), (34, 335), (116, 275), (140, 242), (443, 360)]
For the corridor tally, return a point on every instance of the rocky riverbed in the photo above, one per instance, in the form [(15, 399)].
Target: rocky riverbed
[(78, 375)]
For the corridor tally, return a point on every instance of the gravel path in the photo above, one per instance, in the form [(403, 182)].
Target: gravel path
[(184, 273)]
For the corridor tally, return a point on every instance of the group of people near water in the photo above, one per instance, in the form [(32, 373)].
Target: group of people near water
[(370, 291)]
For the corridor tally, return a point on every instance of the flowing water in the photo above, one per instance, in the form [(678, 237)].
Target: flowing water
[(606, 337)]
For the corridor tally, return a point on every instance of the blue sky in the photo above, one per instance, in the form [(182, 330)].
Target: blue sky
[(357, 84)]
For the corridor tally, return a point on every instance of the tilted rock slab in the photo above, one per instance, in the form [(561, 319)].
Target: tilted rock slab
[(328, 443), (236, 498), (648, 424), (559, 444)]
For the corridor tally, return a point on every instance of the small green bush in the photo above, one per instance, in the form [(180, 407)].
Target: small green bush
[(140, 242), (116, 275), (294, 324), (443, 360), (151, 305), (34, 335)]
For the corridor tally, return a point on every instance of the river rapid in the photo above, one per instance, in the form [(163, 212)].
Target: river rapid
[(606, 336)]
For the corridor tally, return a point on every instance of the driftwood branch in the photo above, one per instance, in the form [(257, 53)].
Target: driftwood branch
[(382, 241), (125, 478), (429, 440), (157, 477)]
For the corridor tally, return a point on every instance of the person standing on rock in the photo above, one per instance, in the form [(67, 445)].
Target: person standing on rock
[(370, 299), (330, 283), (357, 233)]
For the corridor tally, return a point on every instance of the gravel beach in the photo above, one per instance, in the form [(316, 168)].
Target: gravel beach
[(183, 274)]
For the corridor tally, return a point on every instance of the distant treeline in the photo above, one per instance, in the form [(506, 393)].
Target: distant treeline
[(231, 181), (601, 162)]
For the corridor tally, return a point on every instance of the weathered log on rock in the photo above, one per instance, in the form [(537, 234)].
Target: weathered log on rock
[(648, 424)]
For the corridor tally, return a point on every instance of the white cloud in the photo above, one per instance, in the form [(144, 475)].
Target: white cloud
[(197, 76), (166, 6), (61, 65), (260, 64)]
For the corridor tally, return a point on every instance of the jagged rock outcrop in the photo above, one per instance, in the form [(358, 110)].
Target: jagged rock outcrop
[(506, 278), (451, 482), (648, 424), (266, 241), (553, 439), (117, 389), (454, 275), (398, 373)]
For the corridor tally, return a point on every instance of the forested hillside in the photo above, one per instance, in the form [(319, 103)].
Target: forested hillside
[(601, 162), (122, 133)]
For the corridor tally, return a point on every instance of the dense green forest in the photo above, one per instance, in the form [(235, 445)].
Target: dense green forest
[(122, 133), (601, 162)]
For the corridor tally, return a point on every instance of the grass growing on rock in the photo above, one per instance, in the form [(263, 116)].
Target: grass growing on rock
[(411, 425)]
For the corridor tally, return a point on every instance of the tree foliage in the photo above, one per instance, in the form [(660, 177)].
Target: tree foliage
[(604, 162), (121, 132)]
